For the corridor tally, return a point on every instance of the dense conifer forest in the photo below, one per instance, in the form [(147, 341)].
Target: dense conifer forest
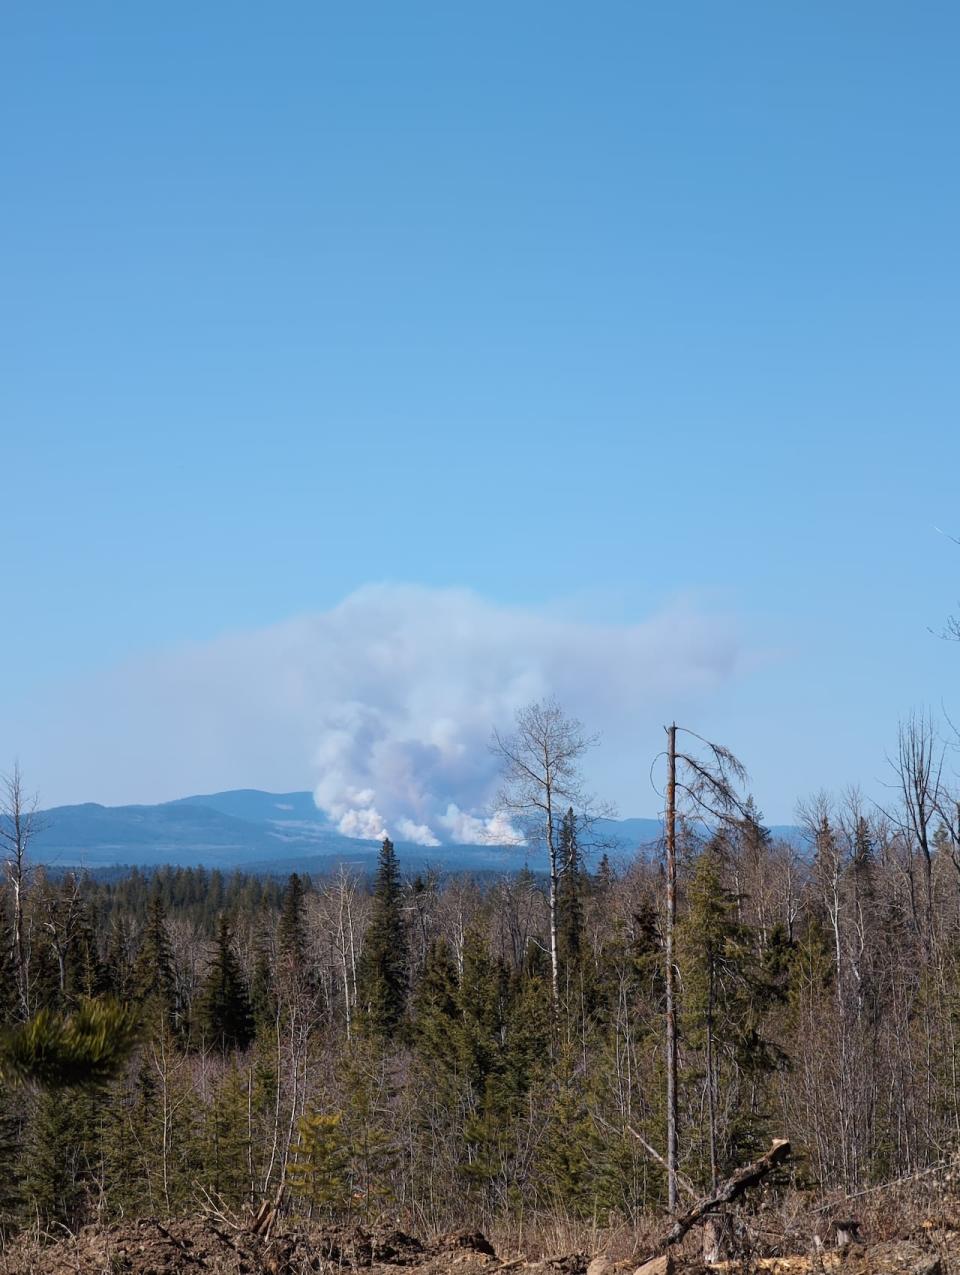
[(396, 1047)]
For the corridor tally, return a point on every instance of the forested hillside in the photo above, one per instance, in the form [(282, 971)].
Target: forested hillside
[(394, 1047)]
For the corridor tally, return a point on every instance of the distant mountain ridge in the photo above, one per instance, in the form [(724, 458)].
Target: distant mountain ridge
[(270, 833)]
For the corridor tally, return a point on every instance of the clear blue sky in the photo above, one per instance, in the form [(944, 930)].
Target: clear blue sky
[(584, 306)]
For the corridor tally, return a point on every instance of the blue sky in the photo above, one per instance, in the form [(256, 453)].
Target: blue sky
[(594, 311)]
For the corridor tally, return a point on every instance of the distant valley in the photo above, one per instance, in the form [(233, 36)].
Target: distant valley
[(273, 833)]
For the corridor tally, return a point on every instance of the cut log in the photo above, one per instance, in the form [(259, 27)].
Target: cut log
[(731, 1190), (600, 1265), (662, 1265)]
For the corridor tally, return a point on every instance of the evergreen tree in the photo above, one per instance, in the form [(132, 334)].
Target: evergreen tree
[(568, 1155), (60, 1157), (263, 996), (125, 1181), (164, 1127), (570, 892), (479, 1034), (226, 1140), (605, 877), (8, 977), (225, 1016), (11, 1125), (153, 978), (317, 1172), (437, 1006), (371, 1142), (382, 975), (86, 975), (724, 998), (292, 933), (117, 963)]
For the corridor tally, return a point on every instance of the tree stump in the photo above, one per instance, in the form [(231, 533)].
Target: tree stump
[(717, 1237), (845, 1232)]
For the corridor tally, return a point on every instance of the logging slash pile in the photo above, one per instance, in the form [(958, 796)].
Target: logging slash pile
[(699, 1240), (151, 1247)]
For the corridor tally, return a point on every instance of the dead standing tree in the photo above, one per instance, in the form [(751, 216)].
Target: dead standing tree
[(540, 767), (19, 823), (701, 785)]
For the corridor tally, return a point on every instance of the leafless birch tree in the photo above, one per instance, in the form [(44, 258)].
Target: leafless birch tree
[(540, 765)]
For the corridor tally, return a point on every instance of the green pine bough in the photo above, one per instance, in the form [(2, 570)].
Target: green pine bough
[(85, 1047)]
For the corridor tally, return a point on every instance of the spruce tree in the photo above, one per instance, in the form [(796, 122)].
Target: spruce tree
[(478, 1039), (125, 1180), (153, 978), (436, 1007), (226, 1140), (372, 1144), (263, 996), (86, 975), (578, 979), (117, 962), (724, 998), (225, 1016), (11, 1123), (9, 1001), (60, 1157), (568, 1154), (382, 975), (291, 932)]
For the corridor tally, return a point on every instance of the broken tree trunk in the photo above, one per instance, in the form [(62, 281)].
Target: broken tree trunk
[(726, 1193)]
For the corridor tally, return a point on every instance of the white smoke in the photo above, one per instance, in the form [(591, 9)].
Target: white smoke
[(424, 675), (383, 704)]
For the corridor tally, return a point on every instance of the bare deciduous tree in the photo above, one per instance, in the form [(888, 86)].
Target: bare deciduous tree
[(540, 764), (19, 823), (918, 767)]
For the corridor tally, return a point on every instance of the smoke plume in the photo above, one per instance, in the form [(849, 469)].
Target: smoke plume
[(383, 704)]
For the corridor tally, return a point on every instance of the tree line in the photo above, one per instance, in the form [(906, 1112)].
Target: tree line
[(452, 1051)]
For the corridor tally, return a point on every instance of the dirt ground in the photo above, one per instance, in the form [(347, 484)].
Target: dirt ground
[(152, 1247)]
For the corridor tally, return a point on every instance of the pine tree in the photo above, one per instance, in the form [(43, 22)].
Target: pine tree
[(382, 975), (528, 1031), (165, 1126), (225, 1015), (317, 1172)]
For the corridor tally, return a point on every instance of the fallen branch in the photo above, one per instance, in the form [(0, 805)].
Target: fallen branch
[(731, 1190), (886, 1186), (684, 1183), (179, 1244)]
